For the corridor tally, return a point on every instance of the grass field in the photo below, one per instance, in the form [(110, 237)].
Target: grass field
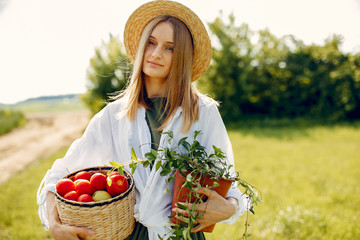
[(10, 119), (18, 208), (308, 176), (51, 106)]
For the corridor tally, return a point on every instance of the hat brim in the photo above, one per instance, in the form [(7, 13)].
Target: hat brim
[(145, 13)]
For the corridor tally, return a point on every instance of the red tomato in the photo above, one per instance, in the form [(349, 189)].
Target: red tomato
[(73, 195), (83, 186), (64, 186), (98, 181), (113, 173), (118, 185), (85, 198), (82, 175)]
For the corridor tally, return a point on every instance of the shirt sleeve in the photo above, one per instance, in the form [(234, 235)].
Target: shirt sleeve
[(243, 202), (94, 148)]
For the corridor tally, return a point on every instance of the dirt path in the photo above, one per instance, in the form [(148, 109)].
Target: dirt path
[(42, 135)]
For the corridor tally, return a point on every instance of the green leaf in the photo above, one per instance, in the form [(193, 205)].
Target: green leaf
[(252, 210), (115, 164), (183, 170), (145, 163), (196, 134), (133, 167), (154, 152), (133, 154), (168, 154), (181, 206), (181, 141), (171, 135), (170, 179), (121, 170), (216, 184), (189, 178), (164, 172), (150, 156), (186, 145), (158, 165)]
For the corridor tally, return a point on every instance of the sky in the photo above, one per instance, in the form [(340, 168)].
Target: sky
[(45, 45)]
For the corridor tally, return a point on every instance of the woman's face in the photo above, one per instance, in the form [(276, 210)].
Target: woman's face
[(159, 52)]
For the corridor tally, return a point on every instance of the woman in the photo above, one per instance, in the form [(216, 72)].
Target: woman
[(169, 47)]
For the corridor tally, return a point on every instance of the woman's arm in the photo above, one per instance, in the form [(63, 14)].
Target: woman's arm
[(61, 231), (94, 148)]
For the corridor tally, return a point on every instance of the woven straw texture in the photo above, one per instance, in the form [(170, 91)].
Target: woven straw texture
[(110, 219), (145, 13)]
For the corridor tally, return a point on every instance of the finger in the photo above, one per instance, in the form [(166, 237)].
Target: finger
[(182, 218), (180, 212), (82, 232), (182, 205), (187, 220), (207, 192), (198, 228), (200, 207)]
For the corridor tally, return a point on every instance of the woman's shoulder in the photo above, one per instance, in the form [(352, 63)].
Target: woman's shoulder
[(206, 101), (116, 105), (111, 110)]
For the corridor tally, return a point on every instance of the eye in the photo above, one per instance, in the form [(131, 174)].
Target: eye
[(170, 48), (151, 42)]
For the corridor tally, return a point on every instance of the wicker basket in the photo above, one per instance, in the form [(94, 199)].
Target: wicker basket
[(110, 219)]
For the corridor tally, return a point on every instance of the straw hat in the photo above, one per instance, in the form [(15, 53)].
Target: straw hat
[(145, 13)]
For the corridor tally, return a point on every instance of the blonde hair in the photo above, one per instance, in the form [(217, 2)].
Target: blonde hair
[(180, 92)]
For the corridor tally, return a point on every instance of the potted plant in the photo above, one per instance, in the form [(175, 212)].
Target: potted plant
[(191, 167)]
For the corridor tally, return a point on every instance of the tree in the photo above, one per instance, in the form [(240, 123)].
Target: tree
[(107, 74), (259, 73), (227, 77)]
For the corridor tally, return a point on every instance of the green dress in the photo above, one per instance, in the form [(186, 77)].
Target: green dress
[(154, 119)]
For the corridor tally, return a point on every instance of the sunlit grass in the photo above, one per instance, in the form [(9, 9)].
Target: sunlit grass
[(308, 176), (18, 208)]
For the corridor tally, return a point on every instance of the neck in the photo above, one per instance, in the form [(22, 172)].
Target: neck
[(155, 87)]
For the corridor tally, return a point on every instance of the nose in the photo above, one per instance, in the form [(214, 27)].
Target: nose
[(157, 52)]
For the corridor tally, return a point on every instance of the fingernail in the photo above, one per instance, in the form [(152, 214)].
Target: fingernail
[(91, 231)]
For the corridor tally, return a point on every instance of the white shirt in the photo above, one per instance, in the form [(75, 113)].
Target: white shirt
[(110, 136)]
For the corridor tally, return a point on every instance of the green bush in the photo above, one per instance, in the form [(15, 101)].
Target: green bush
[(107, 74), (280, 77), (10, 119)]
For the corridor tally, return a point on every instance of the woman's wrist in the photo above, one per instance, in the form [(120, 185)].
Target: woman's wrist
[(233, 203), (53, 215)]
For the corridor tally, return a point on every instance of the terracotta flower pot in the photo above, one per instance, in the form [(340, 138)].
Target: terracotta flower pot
[(182, 194)]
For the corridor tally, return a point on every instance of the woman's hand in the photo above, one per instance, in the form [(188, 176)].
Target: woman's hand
[(214, 210), (61, 231)]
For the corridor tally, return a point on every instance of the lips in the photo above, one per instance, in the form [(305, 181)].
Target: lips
[(155, 64)]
